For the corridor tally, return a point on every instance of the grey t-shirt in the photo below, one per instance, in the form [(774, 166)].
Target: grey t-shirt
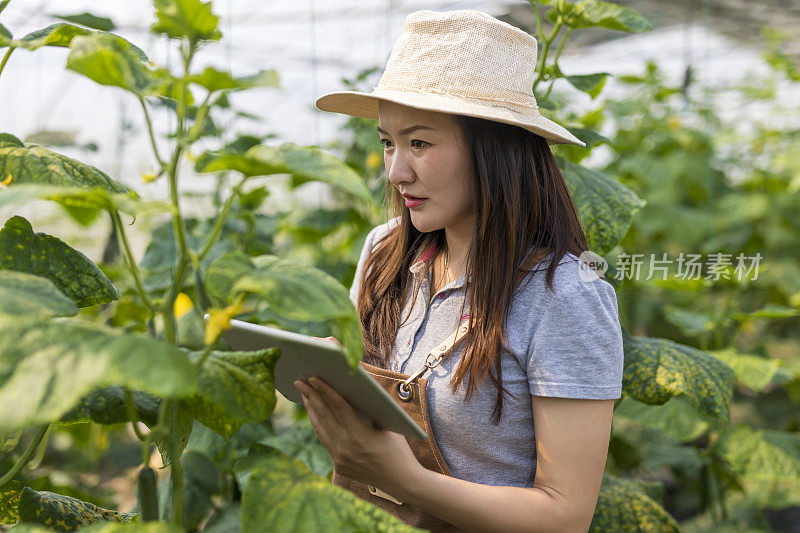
[(565, 343)]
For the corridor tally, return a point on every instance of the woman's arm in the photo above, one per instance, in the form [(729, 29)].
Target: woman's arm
[(572, 444)]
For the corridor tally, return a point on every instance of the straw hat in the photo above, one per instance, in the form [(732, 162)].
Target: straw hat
[(463, 62)]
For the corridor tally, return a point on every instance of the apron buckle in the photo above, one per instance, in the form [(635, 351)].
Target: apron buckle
[(404, 391)]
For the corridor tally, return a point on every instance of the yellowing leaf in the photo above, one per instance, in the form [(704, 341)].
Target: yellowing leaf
[(183, 304), (6, 181), (220, 320)]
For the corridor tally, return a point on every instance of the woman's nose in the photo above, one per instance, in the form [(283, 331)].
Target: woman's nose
[(398, 170)]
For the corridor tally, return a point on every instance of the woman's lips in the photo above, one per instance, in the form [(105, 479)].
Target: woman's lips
[(413, 202)]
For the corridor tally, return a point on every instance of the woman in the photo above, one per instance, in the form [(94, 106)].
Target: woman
[(487, 237)]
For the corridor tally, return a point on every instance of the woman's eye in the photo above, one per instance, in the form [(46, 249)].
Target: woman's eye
[(418, 141), (384, 141), (387, 142)]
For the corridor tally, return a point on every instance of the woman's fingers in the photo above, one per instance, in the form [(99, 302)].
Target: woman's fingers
[(338, 404)]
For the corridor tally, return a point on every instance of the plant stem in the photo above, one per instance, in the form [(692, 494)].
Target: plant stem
[(200, 118), (546, 48), (220, 222), (126, 247), (177, 219), (5, 59), (177, 471), (555, 61), (26, 455), (150, 133), (539, 24)]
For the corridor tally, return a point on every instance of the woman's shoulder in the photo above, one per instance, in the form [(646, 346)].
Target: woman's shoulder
[(573, 284), (381, 230)]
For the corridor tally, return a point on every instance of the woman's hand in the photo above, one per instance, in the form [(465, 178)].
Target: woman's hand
[(375, 456)]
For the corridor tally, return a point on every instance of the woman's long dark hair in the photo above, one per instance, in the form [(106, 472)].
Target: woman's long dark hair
[(521, 204)]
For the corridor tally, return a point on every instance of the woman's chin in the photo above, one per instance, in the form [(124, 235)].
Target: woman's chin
[(424, 223)]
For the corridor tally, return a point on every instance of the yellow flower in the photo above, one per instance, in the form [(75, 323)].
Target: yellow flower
[(147, 178), (374, 160), (6, 181), (183, 304), (220, 320), (674, 122)]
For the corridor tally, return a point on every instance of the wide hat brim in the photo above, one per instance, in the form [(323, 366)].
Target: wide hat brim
[(365, 105)]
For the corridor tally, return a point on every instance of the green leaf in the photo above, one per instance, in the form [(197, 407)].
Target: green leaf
[(109, 59), (590, 137), (303, 162), (752, 370), (625, 505), (7, 138), (186, 18), (658, 369), (767, 463), (60, 34), (299, 441), (64, 513), (293, 290), (591, 84), (34, 164), (5, 36), (692, 323), (71, 272), (27, 294), (81, 197), (217, 80), (9, 502), (109, 527), (282, 495), (48, 366), (769, 311), (592, 13), (89, 20), (234, 388), (182, 422), (109, 406), (675, 417), (605, 206)]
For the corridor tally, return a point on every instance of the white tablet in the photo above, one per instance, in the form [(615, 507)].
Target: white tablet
[(303, 356)]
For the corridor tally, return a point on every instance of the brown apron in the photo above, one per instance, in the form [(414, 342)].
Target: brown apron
[(426, 451)]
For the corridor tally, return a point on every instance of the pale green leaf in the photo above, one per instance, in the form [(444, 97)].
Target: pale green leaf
[(675, 417), (753, 371), (303, 162), (48, 366), (234, 388), (293, 290), (60, 34), (81, 197), (27, 294), (299, 441), (282, 495), (594, 13), (109, 59), (766, 461), (43, 255), (89, 20), (34, 164), (192, 19), (218, 80), (591, 84)]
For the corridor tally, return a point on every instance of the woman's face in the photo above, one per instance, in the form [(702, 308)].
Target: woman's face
[(430, 162)]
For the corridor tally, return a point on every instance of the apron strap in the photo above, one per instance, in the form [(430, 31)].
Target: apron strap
[(434, 358)]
